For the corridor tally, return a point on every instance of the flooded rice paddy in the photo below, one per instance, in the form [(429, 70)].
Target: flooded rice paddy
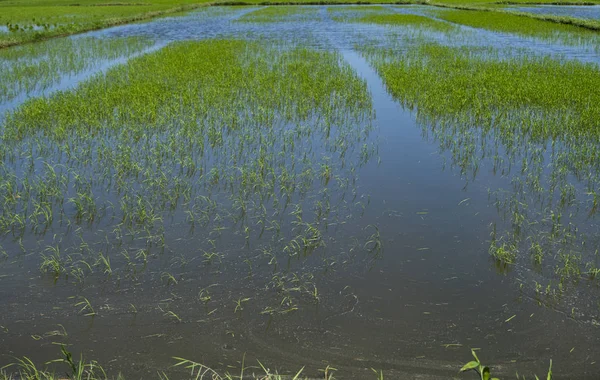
[(353, 187)]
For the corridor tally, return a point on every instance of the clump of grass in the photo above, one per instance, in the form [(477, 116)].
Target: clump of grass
[(505, 253), (77, 369)]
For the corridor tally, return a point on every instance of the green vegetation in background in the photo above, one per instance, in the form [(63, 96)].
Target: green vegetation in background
[(30, 21), (414, 21), (358, 8), (26, 21), (349, 13), (280, 14), (525, 24), (498, 3)]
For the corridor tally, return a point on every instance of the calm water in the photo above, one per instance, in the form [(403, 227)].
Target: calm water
[(414, 311)]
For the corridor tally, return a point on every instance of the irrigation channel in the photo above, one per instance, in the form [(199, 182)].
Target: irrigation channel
[(236, 182)]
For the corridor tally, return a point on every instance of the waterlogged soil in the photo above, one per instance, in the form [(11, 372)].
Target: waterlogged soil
[(404, 282)]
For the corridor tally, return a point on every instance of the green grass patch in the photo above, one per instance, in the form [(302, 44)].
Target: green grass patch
[(528, 25), (407, 20), (445, 81), (280, 14), (357, 8), (493, 3), (28, 22), (138, 87)]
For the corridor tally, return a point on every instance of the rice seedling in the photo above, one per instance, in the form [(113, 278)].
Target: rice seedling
[(379, 374), (168, 278), (374, 245), (569, 267), (328, 372), (239, 304), (505, 253), (53, 262), (86, 308), (80, 369), (475, 365), (537, 253)]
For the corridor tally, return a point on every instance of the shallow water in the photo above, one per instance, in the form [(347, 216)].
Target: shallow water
[(413, 311)]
